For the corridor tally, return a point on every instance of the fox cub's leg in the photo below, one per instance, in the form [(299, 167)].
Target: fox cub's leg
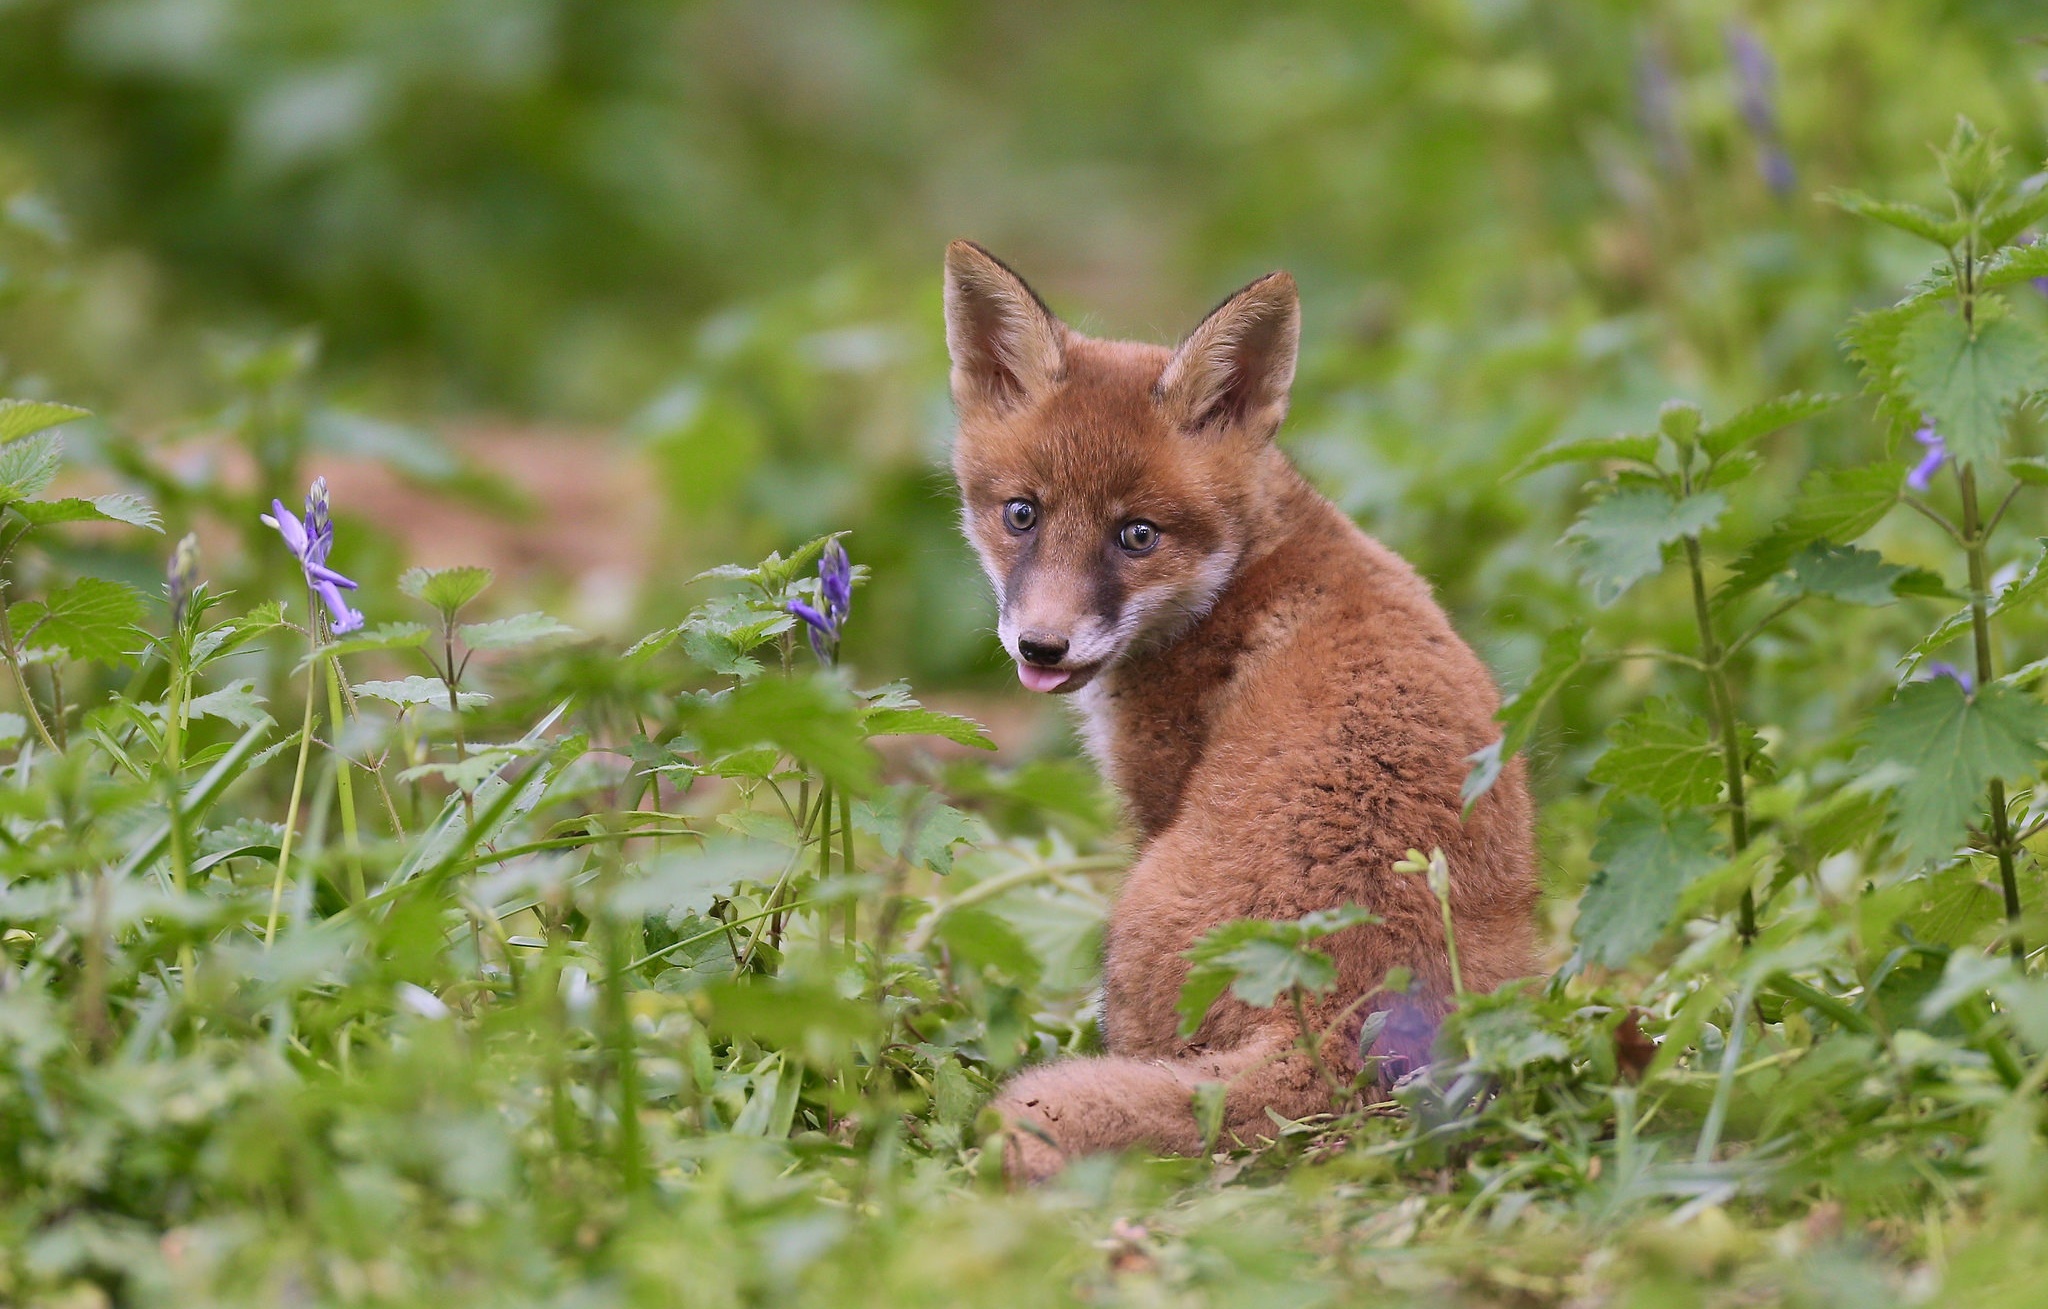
[(1086, 1106)]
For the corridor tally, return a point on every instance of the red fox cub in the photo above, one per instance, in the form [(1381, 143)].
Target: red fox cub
[(1282, 704)]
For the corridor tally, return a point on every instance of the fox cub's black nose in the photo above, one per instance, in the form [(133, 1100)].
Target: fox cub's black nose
[(1042, 648)]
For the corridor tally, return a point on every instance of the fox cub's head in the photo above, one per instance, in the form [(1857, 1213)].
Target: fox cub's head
[(1110, 488)]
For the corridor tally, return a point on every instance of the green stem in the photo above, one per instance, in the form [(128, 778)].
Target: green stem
[(625, 1063), (291, 815), (1722, 703), (846, 865), (13, 656), (455, 709), (1312, 1045), (344, 784), (1980, 629), (173, 779)]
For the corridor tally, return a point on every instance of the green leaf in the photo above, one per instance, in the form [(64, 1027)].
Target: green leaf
[(2012, 218), (916, 826), (2031, 469), (2015, 264), (129, 509), (446, 589), (507, 633), (1647, 858), (1563, 652), (810, 719), (1923, 223), (411, 691), (1970, 385), (1638, 448), (1836, 504), (388, 636), (2021, 591), (237, 704), (1259, 961), (1845, 573), (1948, 746), (1662, 752), (92, 620), (1760, 420), (987, 942), (1621, 537), (28, 466), (13, 728), (472, 772), (918, 721), (19, 418)]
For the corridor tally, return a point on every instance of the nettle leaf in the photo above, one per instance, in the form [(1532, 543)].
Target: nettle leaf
[(411, 691), (388, 636), (19, 418), (130, 509), (2031, 469), (472, 772), (2011, 218), (916, 825), (1949, 744), (1563, 652), (1635, 447), (810, 719), (92, 620), (236, 703), (1621, 537), (1923, 223), (1837, 504), (915, 720), (2022, 590), (1845, 573), (1760, 420), (2015, 264), (1970, 384), (237, 632), (446, 589), (509, 633), (1647, 858), (722, 637), (1259, 961), (28, 466), (1663, 752)]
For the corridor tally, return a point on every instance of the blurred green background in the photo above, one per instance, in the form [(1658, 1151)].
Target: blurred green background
[(615, 290)]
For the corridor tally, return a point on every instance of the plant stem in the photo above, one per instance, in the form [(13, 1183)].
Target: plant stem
[(28, 702), (846, 865), (455, 710), (344, 785), (173, 777), (291, 814), (1980, 630), (1312, 1045), (1730, 731)]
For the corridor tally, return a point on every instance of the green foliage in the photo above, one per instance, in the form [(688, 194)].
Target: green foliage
[(1947, 744), (1260, 961), (93, 620), (1647, 857), (1970, 377), (1622, 535)]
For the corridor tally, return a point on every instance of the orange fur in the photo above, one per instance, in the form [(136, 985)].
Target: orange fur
[(1281, 702)]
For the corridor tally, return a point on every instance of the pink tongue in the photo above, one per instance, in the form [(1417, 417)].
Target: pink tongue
[(1041, 679)]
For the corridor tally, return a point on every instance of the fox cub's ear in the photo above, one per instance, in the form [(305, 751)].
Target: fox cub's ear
[(1006, 345), (1234, 369)]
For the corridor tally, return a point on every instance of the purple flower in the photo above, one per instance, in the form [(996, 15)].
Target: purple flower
[(1938, 670), (1930, 463), (1756, 99), (310, 541), (835, 592)]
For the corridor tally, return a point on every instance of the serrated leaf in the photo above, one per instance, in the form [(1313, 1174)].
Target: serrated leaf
[(1760, 420), (2022, 590), (93, 620), (237, 632), (446, 589), (1647, 858), (809, 719), (1662, 752), (1951, 744), (2014, 264), (1259, 961), (916, 826), (1638, 448), (19, 418), (507, 633), (2013, 217), (28, 466), (470, 773), (388, 636), (1563, 652), (918, 721), (1845, 573), (236, 703), (1970, 384), (416, 690), (1923, 223), (129, 509), (1621, 537), (1836, 504)]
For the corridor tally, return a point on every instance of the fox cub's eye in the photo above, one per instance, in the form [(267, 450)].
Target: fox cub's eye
[(1138, 537), (1020, 515)]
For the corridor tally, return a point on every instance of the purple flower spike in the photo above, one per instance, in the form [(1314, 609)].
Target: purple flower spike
[(835, 593), (818, 627), (1930, 463), (310, 541), (1939, 669)]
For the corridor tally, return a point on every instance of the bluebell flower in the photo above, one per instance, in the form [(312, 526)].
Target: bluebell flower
[(1930, 463), (182, 576), (835, 592), (310, 541), (1939, 669)]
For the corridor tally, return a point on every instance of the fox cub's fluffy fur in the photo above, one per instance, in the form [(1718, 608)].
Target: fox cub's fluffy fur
[(1284, 707)]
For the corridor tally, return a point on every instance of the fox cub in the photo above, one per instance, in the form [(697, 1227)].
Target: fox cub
[(1282, 704)]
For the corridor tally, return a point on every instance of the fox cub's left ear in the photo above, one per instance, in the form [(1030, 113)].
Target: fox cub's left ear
[(1235, 368)]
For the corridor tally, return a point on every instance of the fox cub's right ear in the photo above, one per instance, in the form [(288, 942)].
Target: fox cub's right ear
[(1006, 345)]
